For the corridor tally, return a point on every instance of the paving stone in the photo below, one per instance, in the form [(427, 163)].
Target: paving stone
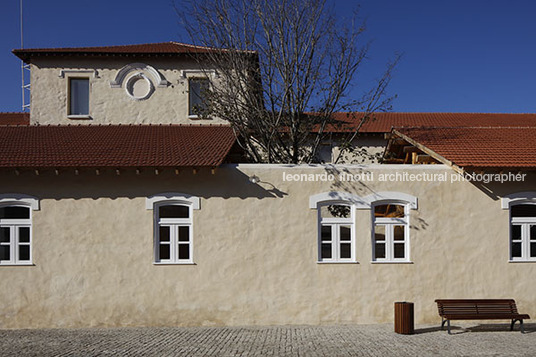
[(337, 340)]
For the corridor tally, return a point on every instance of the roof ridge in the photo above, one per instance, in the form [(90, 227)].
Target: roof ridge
[(190, 45), (481, 113), (90, 47), (466, 127)]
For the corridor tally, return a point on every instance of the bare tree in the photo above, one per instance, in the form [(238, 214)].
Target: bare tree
[(284, 67)]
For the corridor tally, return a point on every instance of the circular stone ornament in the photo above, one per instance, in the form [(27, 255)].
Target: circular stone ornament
[(139, 87)]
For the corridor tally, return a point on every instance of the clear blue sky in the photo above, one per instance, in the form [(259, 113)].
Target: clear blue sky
[(459, 56)]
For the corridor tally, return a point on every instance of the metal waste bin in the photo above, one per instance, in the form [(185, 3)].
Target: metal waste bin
[(404, 318)]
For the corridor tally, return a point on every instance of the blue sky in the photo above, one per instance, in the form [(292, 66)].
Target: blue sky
[(459, 56)]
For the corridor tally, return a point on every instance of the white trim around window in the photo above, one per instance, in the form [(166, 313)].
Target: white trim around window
[(335, 227), (522, 231), (16, 229), (390, 227), (173, 227)]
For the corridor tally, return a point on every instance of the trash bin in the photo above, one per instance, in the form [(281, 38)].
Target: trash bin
[(404, 318)]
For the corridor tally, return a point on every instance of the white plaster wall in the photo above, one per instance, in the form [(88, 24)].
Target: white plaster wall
[(169, 105), (255, 252), (368, 150)]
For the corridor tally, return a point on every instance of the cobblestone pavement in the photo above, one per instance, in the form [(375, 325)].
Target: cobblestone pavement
[(338, 340)]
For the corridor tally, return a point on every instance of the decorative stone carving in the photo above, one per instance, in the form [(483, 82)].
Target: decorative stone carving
[(141, 84)]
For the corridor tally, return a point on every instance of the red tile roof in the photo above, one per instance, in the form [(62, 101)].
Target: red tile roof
[(383, 122), (14, 118), (499, 147), (161, 48), (114, 146)]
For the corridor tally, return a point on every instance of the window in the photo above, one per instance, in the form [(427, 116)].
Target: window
[(197, 99), (324, 153), (174, 234), (173, 227), (390, 233), (15, 235), (523, 232), (78, 97), (336, 236)]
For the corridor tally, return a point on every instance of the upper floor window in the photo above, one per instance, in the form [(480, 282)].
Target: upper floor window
[(390, 232), (523, 232), (78, 97), (15, 235), (336, 236), (197, 97), (173, 227)]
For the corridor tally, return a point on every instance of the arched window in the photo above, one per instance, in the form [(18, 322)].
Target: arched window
[(173, 225), (336, 227), (15, 234), (390, 233), (174, 234), (523, 231), (336, 242)]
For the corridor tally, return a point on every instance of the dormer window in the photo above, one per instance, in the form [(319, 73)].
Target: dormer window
[(78, 98), (197, 97)]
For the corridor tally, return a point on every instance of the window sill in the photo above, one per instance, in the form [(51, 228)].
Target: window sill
[(335, 262), (391, 262), (522, 261), (79, 117), (174, 263), (17, 265)]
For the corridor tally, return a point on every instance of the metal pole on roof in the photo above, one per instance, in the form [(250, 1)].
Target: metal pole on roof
[(24, 66), (21, 27)]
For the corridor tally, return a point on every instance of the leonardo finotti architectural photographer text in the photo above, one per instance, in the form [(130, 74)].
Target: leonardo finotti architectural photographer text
[(406, 177)]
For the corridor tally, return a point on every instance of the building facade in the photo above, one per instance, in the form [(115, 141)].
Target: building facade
[(154, 225)]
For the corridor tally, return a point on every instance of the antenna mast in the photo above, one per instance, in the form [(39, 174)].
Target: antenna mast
[(24, 67)]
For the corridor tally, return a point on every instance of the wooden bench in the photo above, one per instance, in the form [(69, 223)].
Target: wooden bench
[(480, 309)]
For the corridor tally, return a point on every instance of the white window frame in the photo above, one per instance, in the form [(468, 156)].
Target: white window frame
[(525, 223), (18, 200), (389, 224), (519, 198), (174, 224), (167, 199), (336, 223)]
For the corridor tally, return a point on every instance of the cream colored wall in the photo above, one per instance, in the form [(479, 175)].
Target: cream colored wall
[(169, 105), (368, 150), (255, 252)]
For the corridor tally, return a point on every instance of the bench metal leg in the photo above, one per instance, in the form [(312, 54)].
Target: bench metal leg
[(443, 324), (521, 327)]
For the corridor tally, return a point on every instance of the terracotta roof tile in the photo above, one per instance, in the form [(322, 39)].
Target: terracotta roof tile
[(14, 118), (383, 122), (114, 146), (508, 147), (161, 48)]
